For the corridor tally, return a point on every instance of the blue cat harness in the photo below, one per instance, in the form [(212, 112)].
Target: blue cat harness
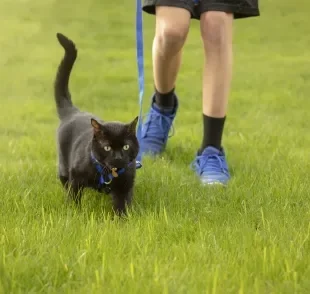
[(106, 178)]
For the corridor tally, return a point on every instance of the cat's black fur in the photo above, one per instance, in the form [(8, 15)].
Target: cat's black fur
[(79, 133)]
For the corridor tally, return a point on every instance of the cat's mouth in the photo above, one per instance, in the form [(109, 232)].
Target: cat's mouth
[(116, 164), (115, 167), (114, 171)]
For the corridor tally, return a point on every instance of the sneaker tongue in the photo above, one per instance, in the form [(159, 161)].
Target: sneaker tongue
[(164, 110), (210, 150)]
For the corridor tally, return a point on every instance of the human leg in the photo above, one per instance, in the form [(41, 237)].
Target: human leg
[(172, 26), (216, 25)]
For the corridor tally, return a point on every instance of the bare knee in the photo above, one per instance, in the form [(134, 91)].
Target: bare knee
[(170, 40), (172, 26), (216, 29)]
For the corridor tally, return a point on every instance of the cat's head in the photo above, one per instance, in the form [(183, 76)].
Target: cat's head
[(115, 144)]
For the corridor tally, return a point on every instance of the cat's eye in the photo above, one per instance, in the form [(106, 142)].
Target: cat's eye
[(107, 148), (126, 147)]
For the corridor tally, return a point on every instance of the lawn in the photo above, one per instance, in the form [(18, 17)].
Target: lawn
[(252, 237)]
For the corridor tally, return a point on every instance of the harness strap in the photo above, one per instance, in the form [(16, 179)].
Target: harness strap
[(106, 179)]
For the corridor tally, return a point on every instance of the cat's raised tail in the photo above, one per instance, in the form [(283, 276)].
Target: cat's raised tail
[(61, 86)]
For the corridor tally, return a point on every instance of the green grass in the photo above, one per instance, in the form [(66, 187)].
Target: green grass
[(252, 237)]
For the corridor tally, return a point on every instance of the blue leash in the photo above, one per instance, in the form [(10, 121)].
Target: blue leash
[(140, 63)]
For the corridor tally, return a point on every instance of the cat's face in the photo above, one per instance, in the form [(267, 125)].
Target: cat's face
[(115, 144)]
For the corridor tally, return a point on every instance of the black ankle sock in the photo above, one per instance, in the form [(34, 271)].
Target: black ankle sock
[(165, 101), (212, 132)]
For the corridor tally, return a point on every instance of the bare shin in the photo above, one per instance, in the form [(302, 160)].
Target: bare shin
[(216, 32), (172, 25)]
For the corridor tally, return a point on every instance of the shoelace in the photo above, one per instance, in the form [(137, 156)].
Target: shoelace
[(162, 121), (211, 160)]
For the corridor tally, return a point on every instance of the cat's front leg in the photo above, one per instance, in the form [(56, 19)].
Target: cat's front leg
[(121, 201), (75, 191)]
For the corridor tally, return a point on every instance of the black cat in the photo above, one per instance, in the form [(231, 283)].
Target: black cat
[(92, 153)]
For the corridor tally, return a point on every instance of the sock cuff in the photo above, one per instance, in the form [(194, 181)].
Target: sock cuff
[(165, 94), (214, 118)]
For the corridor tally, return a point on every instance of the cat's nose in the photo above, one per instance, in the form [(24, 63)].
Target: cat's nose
[(118, 157)]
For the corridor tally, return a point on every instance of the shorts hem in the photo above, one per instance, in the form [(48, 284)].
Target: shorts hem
[(150, 8), (238, 11)]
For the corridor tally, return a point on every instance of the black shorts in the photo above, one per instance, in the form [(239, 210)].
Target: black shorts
[(240, 8)]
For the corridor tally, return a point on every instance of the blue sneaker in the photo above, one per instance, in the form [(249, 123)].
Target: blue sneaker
[(156, 128), (211, 167)]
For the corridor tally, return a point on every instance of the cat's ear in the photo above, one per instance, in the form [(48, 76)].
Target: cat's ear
[(95, 125), (132, 126)]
